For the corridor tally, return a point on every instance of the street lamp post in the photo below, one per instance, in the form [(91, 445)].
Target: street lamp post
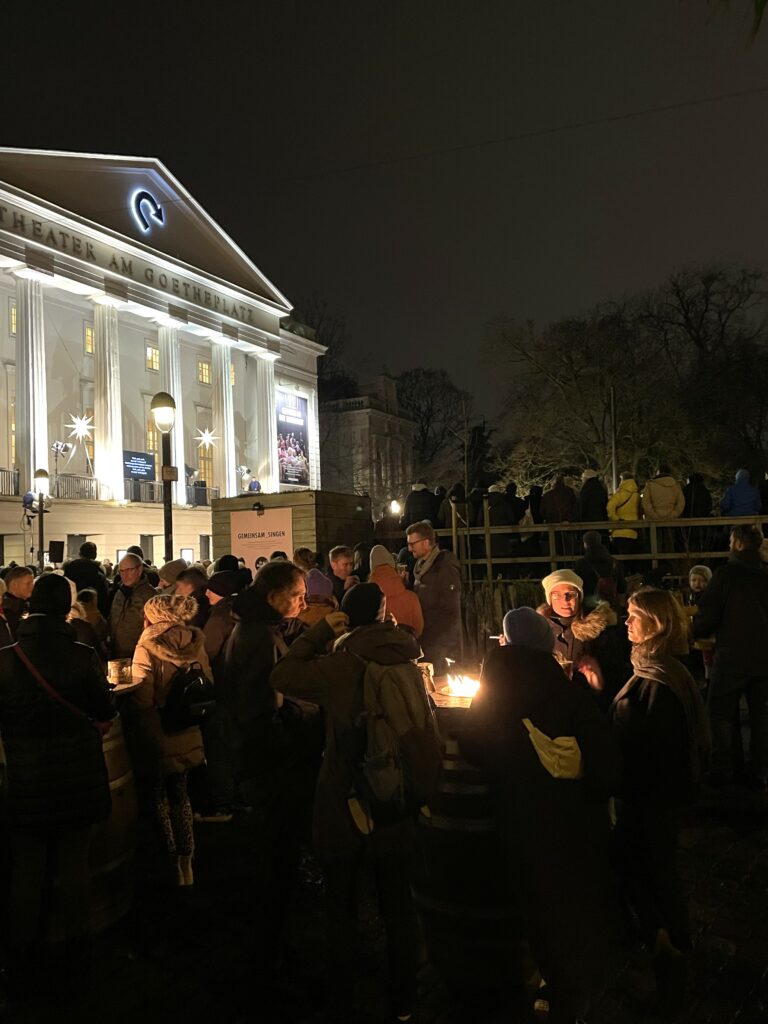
[(41, 488), (163, 409)]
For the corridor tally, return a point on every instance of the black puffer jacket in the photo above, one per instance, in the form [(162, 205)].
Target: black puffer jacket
[(57, 778)]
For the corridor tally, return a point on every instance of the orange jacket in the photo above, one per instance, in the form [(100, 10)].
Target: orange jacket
[(403, 603)]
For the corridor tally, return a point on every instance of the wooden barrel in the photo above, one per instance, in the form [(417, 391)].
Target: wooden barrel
[(113, 842), (462, 891)]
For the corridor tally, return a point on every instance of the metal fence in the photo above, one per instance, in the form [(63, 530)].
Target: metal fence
[(531, 552), (69, 485)]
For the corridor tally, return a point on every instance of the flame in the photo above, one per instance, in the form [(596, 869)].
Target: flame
[(461, 686)]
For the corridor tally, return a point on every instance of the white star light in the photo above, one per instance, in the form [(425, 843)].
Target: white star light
[(205, 438), (81, 427)]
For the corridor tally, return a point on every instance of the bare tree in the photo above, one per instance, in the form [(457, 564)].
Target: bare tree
[(438, 408)]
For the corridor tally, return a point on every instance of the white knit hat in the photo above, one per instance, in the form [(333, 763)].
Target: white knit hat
[(562, 576)]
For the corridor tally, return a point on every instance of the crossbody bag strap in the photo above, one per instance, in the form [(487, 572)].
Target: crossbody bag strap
[(19, 652)]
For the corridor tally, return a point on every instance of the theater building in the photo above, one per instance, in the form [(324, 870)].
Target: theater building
[(116, 285)]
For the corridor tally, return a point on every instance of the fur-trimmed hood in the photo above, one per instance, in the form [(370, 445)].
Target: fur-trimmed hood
[(176, 643), (591, 626)]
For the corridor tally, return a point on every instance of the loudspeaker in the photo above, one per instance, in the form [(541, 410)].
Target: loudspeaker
[(56, 551)]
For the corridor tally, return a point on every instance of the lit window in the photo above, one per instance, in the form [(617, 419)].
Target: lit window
[(205, 465), (88, 340), (153, 358), (203, 371), (153, 443), (232, 374), (12, 319)]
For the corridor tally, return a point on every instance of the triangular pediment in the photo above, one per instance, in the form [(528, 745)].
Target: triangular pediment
[(138, 198)]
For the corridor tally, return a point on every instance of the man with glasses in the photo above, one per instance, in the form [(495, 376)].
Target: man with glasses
[(126, 616), (437, 582)]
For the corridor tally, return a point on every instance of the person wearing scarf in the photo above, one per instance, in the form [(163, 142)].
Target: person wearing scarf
[(659, 721), (167, 643)]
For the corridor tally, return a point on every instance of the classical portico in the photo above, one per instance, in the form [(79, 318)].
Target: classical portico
[(101, 310)]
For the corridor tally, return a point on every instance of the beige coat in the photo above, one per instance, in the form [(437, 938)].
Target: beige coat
[(154, 664), (663, 498)]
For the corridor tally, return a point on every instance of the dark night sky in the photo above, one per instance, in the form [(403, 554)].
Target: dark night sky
[(316, 134)]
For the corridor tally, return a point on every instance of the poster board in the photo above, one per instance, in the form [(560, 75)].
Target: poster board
[(292, 434), (256, 535)]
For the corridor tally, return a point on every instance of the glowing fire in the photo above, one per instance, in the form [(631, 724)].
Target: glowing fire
[(461, 686)]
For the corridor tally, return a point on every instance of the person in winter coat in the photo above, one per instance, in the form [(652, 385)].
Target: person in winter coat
[(19, 581), (698, 500), (517, 506), (193, 582), (57, 779), (592, 499), (276, 742), (168, 574), (663, 496), (336, 682), (437, 583), (401, 602), (734, 608), (741, 498), (659, 722), (420, 504), (456, 498), (559, 870), (499, 514), (167, 643), (624, 505), (126, 616), (588, 644), (319, 599), (85, 572), (601, 573), (559, 503)]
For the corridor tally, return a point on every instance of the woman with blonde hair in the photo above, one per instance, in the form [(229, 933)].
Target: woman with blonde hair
[(660, 724), (168, 643)]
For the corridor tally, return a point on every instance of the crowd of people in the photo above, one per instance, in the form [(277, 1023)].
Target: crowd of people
[(662, 498), (589, 723)]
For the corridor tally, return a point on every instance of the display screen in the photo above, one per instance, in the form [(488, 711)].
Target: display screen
[(139, 465), (292, 433)]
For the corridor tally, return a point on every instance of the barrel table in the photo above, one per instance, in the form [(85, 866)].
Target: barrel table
[(113, 842), (461, 886)]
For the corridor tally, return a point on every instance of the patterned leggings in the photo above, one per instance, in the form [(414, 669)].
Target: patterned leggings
[(174, 814)]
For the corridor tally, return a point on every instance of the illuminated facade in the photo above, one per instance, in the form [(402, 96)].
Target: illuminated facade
[(114, 285)]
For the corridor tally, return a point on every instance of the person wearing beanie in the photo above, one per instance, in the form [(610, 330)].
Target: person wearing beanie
[(167, 643), (169, 573), (551, 762), (523, 627), (335, 681), (402, 603), (220, 592), (699, 579), (193, 582), (58, 785), (589, 644), (320, 599)]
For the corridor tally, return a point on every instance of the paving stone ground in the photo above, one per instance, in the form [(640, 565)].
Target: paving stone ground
[(187, 955)]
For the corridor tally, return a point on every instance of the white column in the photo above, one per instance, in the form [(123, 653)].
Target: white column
[(170, 381), (266, 470), (31, 399), (107, 404), (223, 410)]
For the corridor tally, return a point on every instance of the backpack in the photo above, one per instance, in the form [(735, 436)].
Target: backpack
[(403, 755), (190, 699)]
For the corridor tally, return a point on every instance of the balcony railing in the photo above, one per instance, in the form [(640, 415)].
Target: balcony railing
[(9, 481), (147, 491), (69, 485), (200, 495)]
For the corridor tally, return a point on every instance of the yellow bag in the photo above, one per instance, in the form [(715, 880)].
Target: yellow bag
[(560, 756)]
